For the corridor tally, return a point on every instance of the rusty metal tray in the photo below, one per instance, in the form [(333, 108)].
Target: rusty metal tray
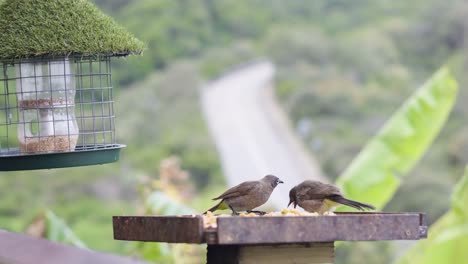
[(272, 229)]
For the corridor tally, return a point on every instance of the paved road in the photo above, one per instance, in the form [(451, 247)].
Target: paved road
[(252, 134)]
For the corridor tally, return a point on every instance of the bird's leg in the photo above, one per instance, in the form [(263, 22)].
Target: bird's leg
[(256, 212), (233, 211)]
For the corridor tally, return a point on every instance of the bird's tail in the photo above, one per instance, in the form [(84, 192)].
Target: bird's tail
[(360, 206), (216, 207)]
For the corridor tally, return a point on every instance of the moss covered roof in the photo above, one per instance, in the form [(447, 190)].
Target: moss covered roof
[(60, 27)]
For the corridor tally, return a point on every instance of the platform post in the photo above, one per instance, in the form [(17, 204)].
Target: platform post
[(309, 253)]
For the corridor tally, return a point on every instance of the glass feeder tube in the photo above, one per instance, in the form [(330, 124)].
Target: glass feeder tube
[(46, 100)]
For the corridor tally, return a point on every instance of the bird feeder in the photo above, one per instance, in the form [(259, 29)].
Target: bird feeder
[(272, 239), (56, 99)]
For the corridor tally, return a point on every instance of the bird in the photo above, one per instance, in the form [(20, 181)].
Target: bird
[(315, 196), (247, 195)]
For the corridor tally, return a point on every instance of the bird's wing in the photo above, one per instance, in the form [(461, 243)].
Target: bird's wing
[(317, 191), (241, 189)]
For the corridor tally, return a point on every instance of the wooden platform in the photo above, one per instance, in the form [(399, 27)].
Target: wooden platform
[(266, 230)]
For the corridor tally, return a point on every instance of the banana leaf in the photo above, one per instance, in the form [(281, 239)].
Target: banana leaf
[(375, 174), (57, 230), (447, 240)]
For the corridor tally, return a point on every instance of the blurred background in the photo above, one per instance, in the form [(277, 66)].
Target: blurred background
[(341, 69)]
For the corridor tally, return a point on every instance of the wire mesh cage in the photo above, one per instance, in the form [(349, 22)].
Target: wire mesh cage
[(56, 105)]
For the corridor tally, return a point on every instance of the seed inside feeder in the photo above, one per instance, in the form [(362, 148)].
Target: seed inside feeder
[(46, 104)]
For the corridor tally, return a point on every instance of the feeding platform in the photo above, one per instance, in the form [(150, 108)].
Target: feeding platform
[(272, 239)]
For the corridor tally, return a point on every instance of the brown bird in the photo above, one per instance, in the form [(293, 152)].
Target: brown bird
[(314, 196), (247, 195)]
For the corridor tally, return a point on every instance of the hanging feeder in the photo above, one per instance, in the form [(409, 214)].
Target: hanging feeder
[(56, 99)]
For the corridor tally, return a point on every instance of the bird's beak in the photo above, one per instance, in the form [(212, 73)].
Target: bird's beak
[(280, 181), (292, 202)]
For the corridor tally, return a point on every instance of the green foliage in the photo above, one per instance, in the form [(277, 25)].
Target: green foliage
[(165, 196), (217, 61), (165, 119), (57, 230), (188, 28), (57, 27), (160, 204), (442, 26), (374, 175), (448, 237), (435, 190), (304, 43), (370, 251)]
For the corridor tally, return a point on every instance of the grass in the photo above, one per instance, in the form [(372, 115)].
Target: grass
[(31, 28)]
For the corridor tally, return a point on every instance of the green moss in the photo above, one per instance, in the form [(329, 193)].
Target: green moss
[(60, 27)]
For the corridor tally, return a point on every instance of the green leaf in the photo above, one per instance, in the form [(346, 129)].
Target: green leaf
[(374, 175), (58, 231), (447, 238), (460, 199)]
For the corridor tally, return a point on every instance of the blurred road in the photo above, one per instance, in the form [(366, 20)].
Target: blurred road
[(252, 134)]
